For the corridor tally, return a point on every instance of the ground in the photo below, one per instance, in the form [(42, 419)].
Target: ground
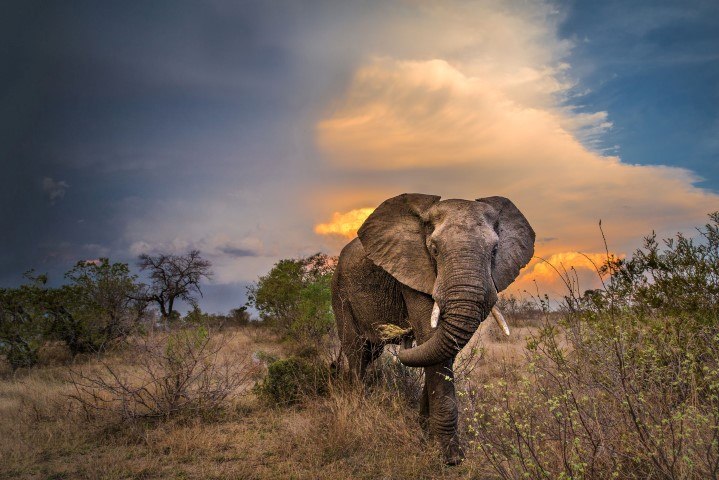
[(350, 433)]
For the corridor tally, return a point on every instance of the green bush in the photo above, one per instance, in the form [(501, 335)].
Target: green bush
[(677, 277), (624, 385), (290, 380), (96, 308), (24, 321), (295, 297)]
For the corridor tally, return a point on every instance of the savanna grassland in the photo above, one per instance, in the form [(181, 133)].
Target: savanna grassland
[(620, 382), (345, 432)]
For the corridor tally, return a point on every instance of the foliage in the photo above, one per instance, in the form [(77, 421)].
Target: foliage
[(290, 380), (23, 321), (237, 317), (174, 277), (180, 372), (100, 305), (93, 310), (625, 385), (680, 278), (295, 296)]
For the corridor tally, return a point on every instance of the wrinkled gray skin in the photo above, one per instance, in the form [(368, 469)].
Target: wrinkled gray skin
[(415, 250)]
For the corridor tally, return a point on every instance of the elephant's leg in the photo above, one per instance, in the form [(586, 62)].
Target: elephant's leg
[(360, 354), (352, 342), (419, 310), (356, 358), (424, 407), (443, 410), (370, 352)]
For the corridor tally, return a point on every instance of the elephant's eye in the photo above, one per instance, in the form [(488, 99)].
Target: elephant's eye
[(433, 249), (494, 250)]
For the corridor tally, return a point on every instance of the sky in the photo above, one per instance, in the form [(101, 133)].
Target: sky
[(255, 131)]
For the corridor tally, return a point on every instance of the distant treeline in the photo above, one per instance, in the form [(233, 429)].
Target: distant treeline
[(100, 304)]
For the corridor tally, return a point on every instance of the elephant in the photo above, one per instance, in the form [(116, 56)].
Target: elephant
[(430, 270)]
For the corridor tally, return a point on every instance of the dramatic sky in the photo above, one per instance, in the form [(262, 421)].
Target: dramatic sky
[(256, 131)]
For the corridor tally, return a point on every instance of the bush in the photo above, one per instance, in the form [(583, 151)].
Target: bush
[(681, 278), (180, 372), (93, 311), (237, 317), (24, 322), (98, 307), (624, 385), (295, 297), (290, 380)]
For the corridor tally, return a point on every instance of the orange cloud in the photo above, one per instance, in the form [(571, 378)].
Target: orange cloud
[(558, 272), (485, 111), (560, 263), (444, 131), (344, 224)]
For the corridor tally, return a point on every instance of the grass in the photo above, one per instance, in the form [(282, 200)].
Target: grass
[(349, 433), (608, 395)]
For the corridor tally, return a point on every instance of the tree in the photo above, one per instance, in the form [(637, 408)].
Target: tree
[(100, 304), (96, 307), (23, 321), (239, 316), (678, 275), (295, 295), (173, 277)]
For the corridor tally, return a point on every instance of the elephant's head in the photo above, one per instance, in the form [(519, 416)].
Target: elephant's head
[(461, 252)]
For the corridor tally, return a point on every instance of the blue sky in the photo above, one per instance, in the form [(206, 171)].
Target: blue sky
[(654, 66), (236, 128)]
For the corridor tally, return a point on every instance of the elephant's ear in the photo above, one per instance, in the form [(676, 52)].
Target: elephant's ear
[(394, 238), (516, 241)]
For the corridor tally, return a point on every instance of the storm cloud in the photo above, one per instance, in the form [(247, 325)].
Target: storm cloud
[(252, 130)]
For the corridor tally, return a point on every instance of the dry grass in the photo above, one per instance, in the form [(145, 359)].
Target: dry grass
[(350, 433)]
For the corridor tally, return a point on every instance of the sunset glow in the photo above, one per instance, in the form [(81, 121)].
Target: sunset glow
[(344, 224)]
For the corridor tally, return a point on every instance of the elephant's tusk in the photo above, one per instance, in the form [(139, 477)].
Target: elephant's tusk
[(434, 319), (500, 320)]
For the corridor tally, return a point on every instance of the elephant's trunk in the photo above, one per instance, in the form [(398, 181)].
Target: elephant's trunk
[(465, 308)]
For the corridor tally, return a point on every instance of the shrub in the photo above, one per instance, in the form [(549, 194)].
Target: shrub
[(24, 322), (624, 385), (239, 317), (290, 380), (183, 371), (295, 297), (679, 279), (93, 311), (98, 307)]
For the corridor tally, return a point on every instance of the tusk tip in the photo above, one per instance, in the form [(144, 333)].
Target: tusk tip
[(434, 319), (500, 320)]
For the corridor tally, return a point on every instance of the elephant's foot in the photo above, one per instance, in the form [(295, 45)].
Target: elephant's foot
[(424, 425), (452, 451), (453, 454)]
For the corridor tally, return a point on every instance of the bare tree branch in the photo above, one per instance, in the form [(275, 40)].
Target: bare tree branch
[(173, 277)]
